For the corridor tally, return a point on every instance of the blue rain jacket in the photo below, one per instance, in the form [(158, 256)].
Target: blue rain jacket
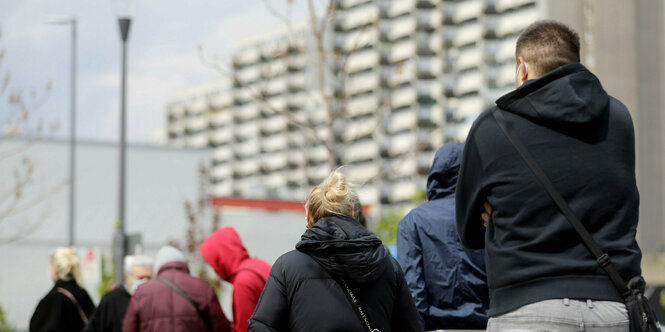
[(447, 281)]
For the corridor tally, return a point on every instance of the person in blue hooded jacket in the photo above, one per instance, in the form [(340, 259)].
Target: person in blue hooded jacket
[(447, 282)]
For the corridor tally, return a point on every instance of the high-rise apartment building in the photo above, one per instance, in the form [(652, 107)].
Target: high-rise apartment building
[(423, 70)]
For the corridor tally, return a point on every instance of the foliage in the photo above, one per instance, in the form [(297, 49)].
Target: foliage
[(386, 228), (4, 325), (108, 275), (419, 197)]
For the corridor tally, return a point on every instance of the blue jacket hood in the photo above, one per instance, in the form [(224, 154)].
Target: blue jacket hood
[(442, 179)]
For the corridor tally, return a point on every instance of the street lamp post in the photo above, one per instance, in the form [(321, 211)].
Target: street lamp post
[(124, 11), (72, 121)]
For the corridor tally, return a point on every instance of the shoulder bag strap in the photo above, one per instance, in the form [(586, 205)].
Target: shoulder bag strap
[(355, 303), (186, 297), (247, 269), (602, 258), (73, 299)]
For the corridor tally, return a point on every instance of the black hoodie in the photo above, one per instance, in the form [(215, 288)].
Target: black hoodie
[(300, 294), (584, 141)]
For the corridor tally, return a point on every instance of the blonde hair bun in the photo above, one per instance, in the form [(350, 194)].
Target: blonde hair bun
[(66, 263), (334, 196)]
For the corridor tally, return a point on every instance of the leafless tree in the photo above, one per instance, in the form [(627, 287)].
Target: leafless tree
[(20, 129)]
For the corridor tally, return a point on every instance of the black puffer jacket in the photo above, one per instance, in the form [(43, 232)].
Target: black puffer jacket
[(300, 294)]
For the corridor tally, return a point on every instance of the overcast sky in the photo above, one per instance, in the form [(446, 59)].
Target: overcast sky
[(162, 56)]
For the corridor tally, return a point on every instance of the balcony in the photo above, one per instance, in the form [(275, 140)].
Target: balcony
[(318, 154), (500, 51), (361, 105), (296, 62), (403, 97), (248, 74), (356, 39), (398, 145), (402, 167), (357, 18), (277, 102), (430, 88), (498, 6), (468, 82), (398, 74), (222, 172), (469, 106), (274, 143), (221, 118), (245, 167), (247, 112), (248, 148), (297, 81), (222, 153), (360, 173), (222, 189), (274, 181), (427, 3), (463, 11), (222, 100), (430, 115), (469, 57), (275, 86), (402, 120), (428, 43), (465, 34), (367, 149), (431, 66), (316, 174), (246, 56), (221, 136), (197, 123), (403, 50), (399, 192), (274, 68), (502, 76), (425, 160), (457, 131), (398, 28), (358, 129), (499, 26), (362, 60), (344, 4), (247, 130), (296, 158), (273, 161), (430, 19), (273, 124), (362, 82), (395, 8)]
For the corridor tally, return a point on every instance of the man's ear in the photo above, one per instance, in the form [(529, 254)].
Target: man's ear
[(523, 71)]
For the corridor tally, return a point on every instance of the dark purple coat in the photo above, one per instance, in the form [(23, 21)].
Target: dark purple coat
[(157, 307)]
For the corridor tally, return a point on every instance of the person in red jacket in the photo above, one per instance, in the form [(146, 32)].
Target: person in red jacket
[(174, 300), (224, 251)]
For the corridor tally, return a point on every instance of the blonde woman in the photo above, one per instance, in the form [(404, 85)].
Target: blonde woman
[(339, 278), (67, 306)]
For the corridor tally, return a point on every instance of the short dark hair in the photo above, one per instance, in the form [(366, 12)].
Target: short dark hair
[(547, 45)]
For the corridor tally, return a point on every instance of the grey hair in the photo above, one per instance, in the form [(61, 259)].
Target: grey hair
[(135, 260)]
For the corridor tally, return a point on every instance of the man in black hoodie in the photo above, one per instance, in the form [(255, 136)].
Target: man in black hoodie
[(540, 274)]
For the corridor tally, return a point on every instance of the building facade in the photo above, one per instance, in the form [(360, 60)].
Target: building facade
[(423, 70)]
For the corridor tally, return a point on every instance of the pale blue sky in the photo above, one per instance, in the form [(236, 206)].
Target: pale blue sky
[(162, 56)]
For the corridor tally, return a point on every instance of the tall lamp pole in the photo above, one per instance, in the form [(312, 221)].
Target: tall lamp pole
[(124, 11), (71, 21)]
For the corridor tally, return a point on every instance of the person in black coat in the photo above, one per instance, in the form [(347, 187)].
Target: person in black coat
[(113, 306), (67, 306), (304, 290)]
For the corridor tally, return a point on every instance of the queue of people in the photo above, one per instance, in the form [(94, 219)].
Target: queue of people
[(489, 249)]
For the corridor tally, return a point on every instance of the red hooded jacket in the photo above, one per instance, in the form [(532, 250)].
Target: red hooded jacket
[(224, 251), (157, 307)]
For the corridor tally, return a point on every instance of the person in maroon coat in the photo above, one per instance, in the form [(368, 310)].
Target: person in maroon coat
[(174, 300), (224, 251)]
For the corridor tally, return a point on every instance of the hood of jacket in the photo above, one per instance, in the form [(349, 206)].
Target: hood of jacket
[(570, 94), (345, 248), (224, 251), (442, 179)]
